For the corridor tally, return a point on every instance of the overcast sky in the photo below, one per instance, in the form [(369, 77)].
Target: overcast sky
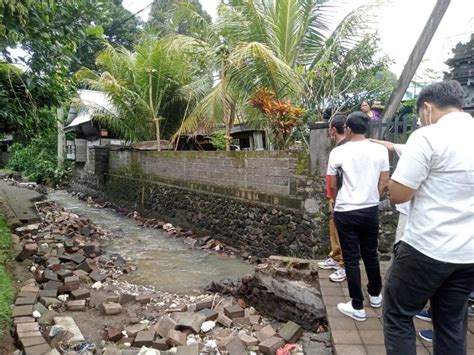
[(399, 26)]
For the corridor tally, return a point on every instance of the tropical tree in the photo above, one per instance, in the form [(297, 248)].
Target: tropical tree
[(281, 45), (142, 85)]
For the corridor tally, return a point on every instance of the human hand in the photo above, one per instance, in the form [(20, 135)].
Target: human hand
[(389, 145)]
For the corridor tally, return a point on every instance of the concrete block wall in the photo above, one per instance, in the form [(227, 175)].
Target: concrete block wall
[(266, 172)]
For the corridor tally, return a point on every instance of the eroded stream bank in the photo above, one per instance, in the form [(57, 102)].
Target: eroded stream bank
[(163, 261), (61, 259)]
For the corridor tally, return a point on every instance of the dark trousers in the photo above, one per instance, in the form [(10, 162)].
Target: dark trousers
[(358, 235), (416, 278)]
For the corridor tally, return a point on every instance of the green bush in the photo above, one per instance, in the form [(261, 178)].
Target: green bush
[(37, 161)]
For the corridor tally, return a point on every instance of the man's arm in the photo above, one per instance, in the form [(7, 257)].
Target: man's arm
[(383, 182), (400, 193), (333, 186)]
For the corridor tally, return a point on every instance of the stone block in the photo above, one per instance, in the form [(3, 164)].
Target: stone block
[(112, 350), (80, 273), (160, 344), (85, 266), (176, 338), (113, 298), (243, 321), (34, 333), (291, 332), (32, 341), (50, 275), (114, 334), (40, 308), (97, 276), (24, 301), (144, 299), (48, 293), (27, 251), (76, 305), (248, 340), (49, 301), (235, 347), (144, 338), (22, 311), (126, 298), (255, 319), (78, 258), (224, 320), (52, 285), (209, 314), (265, 333), (271, 345), (164, 325), (133, 330), (27, 327), (80, 294), (192, 349), (70, 325), (37, 349), (190, 321), (71, 280), (19, 320), (205, 303), (111, 308), (62, 274), (234, 311)]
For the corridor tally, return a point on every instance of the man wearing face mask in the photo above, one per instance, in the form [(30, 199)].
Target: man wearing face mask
[(435, 258)]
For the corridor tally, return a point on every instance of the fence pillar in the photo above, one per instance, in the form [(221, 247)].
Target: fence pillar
[(319, 147)]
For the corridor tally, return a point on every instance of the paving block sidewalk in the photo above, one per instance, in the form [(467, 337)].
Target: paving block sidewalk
[(351, 337), (18, 203)]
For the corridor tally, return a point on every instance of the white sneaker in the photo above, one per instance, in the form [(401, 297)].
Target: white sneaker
[(376, 301), (329, 263), (348, 310), (338, 276)]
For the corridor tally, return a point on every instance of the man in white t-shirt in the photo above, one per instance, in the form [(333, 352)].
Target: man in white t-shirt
[(365, 167), (435, 258)]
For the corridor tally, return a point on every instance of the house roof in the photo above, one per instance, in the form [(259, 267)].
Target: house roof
[(90, 102)]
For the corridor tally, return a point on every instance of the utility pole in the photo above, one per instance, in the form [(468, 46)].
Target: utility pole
[(61, 137), (414, 60)]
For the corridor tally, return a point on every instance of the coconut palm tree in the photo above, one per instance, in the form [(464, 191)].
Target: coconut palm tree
[(268, 43), (143, 84)]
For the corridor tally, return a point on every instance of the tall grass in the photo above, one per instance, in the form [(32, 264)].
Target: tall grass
[(6, 291)]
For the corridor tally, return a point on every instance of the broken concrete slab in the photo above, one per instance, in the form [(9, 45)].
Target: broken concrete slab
[(32, 341), (164, 325), (160, 344), (248, 340), (49, 301), (265, 333), (37, 349), (70, 325), (235, 346), (48, 293), (133, 330), (126, 298), (27, 327), (191, 321), (114, 334), (209, 314), (144, 298), (176, 338), (205, 303), (224, 320)]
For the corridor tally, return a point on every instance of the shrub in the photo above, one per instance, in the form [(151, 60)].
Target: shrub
[(37, 161)]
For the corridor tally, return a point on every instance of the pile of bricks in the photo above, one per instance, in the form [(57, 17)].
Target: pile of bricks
[(207, 326), (65, 258)]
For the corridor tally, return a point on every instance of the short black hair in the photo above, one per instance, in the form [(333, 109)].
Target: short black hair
[(358, 122), (443, 94), (338, 123)]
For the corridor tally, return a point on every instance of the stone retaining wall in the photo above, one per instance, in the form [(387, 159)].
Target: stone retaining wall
[(261, 203)]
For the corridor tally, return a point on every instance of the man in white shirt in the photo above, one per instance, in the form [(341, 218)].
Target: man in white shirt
[(365, 167), (435, 258)]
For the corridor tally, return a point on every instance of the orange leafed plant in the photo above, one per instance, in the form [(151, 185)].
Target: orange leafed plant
[(282, 115)]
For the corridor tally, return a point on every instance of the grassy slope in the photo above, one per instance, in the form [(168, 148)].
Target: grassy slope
[(6, 291)]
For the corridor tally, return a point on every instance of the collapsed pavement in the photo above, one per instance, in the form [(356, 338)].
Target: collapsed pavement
[(71, 275)]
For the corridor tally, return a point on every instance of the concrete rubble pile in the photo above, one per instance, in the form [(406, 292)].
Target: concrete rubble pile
[(69, 268)]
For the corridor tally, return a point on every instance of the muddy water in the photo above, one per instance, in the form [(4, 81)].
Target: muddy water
[(163, 262)]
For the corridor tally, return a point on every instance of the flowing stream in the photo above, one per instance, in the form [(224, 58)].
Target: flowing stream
[(163, 261)]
